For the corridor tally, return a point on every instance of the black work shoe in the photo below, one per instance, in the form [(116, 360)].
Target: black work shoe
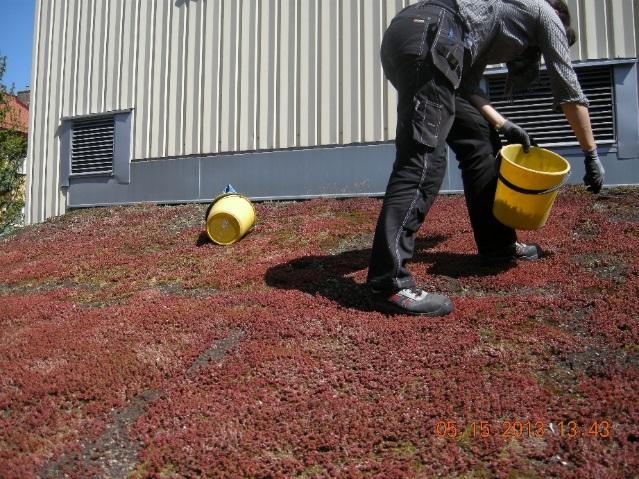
[(516, 251), (412, 301)]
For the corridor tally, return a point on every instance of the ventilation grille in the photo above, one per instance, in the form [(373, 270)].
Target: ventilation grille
[(533, 111), (92, 146)]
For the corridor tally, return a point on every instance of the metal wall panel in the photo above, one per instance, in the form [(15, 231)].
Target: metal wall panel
[(213, 76), (606, 28), (357, 170)]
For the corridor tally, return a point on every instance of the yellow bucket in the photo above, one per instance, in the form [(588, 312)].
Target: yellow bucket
[(528, 185), (229, 218)]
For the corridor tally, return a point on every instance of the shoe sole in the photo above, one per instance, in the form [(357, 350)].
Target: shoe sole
[(397, 310), (508, 259)]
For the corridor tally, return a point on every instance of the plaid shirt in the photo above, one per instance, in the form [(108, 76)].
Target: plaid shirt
[(500, 30)]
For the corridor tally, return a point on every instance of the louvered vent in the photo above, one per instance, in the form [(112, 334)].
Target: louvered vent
[(533, 109), (92, 146)]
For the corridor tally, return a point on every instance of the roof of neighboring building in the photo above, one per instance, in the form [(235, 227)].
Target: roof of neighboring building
[(17, 117)]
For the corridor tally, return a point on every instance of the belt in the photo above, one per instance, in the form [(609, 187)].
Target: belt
[(450, 5)]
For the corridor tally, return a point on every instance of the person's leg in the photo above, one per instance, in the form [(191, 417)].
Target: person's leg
[(425, 115), (476, 145), (417, 175), (414, 183)]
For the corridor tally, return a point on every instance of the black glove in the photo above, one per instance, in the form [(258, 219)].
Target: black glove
[(595, 172), (516, 134)]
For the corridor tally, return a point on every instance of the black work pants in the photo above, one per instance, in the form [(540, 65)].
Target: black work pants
[(476, 145), (422, 54)]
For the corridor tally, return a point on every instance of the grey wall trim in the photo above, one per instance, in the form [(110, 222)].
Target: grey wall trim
[(122, 147), (496, 70), (91, 115), (290, 174), (283, 174), (65, 153), (627, 110)]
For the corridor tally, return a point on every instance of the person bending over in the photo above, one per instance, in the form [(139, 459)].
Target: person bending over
[(434, 53)]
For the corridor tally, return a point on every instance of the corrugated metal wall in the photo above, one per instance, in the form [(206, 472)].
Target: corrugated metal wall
[(211, 76)]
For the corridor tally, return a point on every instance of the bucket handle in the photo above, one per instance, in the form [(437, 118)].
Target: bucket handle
[(526, 191)]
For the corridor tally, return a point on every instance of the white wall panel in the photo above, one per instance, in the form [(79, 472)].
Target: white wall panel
[(248, 75), (308, 55), (159, 81), (140, 91), (70, 78), (46, 109), (213, 76), (38, 135), (97, 55), (211, 68), (268, 74), (622, 26), (351, 72), (54, 107), (288, 67), (131, 12), (85, 44), (192, 86), (229, 74), (113, 54), (594, 46), (329, 105)]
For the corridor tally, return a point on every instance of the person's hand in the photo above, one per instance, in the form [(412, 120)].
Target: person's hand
[(595, 172), (516, 134)]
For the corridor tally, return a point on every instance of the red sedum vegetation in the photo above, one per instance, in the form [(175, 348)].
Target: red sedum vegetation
[(131, 346)]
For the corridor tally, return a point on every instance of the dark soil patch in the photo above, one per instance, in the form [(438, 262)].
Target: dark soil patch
[(599, 361), (604, 265), (112, 455), (216, 352), (618, 205), (352, 243)]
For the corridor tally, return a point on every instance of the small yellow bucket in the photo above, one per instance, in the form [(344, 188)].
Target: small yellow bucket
[(528, 185), (229, 217)]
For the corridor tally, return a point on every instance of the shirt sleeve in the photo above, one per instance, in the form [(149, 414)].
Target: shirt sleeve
[(471, 80), (553, 44)]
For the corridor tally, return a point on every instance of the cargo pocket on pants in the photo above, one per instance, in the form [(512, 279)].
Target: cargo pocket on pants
[(427, 117), (448, 50)]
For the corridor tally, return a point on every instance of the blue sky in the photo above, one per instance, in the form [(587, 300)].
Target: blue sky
[(16, 38)]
